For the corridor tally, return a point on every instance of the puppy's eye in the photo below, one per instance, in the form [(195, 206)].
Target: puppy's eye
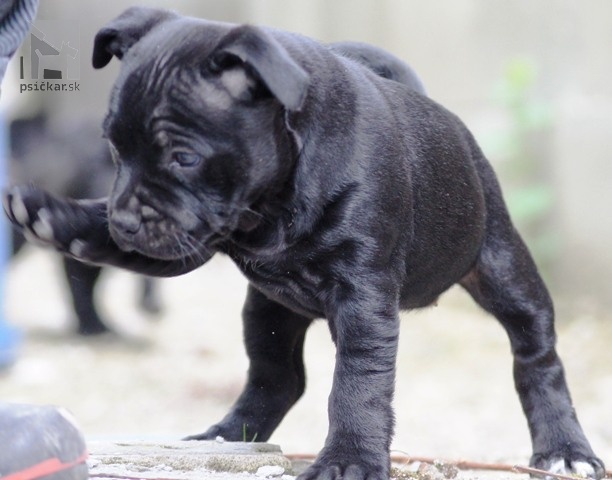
[(186, 159)]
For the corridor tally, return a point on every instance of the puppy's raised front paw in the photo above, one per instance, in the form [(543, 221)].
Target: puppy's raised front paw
[(26, 209), (68, 226)]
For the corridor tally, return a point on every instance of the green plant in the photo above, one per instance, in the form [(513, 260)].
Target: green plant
[(244, 434), (521, 151)]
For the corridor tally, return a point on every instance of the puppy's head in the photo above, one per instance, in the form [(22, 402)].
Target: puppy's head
[(196, 123)]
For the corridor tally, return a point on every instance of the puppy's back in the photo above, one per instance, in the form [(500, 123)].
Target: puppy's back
[(380, 62)]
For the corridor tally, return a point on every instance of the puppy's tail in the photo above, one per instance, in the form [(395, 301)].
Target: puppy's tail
[(380, 62)]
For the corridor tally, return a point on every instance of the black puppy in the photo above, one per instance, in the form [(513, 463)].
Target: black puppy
[(72, 161), (339, 194)]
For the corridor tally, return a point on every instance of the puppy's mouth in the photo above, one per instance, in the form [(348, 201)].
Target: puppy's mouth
[(175, 234), (161, 240)]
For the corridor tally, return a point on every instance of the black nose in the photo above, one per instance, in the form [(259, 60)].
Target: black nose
[(125, 222)]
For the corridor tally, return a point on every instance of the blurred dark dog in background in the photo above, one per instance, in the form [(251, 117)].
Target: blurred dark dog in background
[(72, 161)]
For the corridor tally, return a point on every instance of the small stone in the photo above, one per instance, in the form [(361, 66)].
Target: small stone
[(270, 471), (449, 470), (430, 472)]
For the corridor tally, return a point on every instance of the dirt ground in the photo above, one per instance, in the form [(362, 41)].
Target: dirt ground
[(175, 374)]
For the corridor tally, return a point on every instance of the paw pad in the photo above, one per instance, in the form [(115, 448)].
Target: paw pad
[(18, 208), (578, 468), (42, 227), (77, 248), (583, 469)]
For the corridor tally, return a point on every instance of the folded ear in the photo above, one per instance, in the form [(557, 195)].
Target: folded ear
[(252, 46), (123, 32)]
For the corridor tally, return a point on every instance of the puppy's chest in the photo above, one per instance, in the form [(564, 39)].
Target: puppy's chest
[(295, 283)]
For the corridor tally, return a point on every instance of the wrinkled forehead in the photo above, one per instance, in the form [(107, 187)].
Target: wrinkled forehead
[(162, 61)]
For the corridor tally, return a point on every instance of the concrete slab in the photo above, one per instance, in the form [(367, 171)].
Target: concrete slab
[(219, 460), (156, 459), (187, 460)]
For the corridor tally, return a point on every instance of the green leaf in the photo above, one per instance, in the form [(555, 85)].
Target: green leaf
[(530, 203)]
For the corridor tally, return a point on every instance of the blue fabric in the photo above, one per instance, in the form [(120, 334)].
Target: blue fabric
[(9, 336), (15, 19), (14, 26)]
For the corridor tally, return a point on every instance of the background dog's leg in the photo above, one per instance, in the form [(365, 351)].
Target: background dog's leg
[(506, 283), (82, 280), (274, 340), (149, 296)]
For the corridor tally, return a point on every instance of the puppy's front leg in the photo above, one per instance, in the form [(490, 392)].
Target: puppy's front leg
[(365, 328), (79, 229)]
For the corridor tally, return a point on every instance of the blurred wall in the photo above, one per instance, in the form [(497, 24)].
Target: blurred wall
[(462, 49)]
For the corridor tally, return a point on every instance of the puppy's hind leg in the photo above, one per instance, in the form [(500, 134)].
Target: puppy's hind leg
[(274, 339), (506, 283)]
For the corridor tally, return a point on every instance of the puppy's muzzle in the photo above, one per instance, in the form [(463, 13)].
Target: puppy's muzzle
[(124, 227)]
